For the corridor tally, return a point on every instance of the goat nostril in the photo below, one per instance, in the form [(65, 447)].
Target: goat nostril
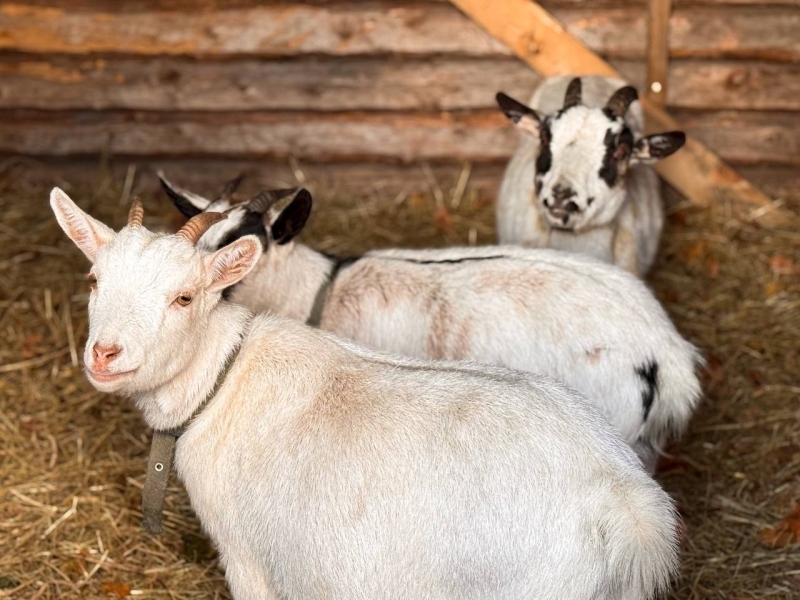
[(571, 207), (546, 203), (106, 353)]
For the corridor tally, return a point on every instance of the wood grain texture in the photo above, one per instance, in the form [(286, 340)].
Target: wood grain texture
[(544, 44), (358, 83), (478, 136), (286, 29), (658, 50)]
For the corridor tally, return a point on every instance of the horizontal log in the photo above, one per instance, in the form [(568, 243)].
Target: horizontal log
[(747, 138), (209, 5), (477, 136), (358, 83), (757, 32), (312, 83)]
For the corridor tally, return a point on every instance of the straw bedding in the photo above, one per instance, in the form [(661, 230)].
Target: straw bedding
[(72, 459)]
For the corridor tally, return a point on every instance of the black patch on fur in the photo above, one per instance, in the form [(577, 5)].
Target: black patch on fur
[(341, 262), (252, 224), (293, 218), (513, 109), (545, 159), (617, 150), (649, 374), (186, 208)]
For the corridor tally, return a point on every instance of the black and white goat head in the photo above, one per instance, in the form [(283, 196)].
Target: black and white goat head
[(274, 216), (585, 154)]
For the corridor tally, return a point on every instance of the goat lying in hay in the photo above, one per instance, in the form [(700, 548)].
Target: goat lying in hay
[(323, 470), (588, 324), (579, 180)]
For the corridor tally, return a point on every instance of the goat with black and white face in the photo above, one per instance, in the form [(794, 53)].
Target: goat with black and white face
[(579, 180), (323, 470), (589, 324)]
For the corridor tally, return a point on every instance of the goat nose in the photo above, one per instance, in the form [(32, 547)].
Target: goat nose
[(571, 207), (561, 193), (103, 355)]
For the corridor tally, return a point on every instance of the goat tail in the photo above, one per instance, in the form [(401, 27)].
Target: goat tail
[(677, 395), (641, 542)]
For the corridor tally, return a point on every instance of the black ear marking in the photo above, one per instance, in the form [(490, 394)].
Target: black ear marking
[(179, 198), (293, 218), (522, 116), (660, 145)]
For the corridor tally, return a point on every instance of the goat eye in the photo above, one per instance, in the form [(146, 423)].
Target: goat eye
[(184, 299), (92, 281)]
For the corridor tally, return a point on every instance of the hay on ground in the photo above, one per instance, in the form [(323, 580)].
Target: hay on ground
[(72, 459)]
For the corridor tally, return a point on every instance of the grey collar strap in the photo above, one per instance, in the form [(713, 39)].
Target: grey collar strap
[(159, 465), (315, 318)]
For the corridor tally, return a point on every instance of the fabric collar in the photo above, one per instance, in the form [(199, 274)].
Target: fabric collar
[(162, 449)]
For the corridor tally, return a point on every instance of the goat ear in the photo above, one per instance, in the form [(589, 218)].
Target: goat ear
[(523, 117), (654, 147), (88, 233), (291, 220), (188, 203), (231, 263)]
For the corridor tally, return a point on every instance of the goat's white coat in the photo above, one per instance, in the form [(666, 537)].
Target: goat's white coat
[(323, 470), (568, 316), (625, 227)]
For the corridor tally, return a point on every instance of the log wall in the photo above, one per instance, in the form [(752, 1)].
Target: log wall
[(388, 81)]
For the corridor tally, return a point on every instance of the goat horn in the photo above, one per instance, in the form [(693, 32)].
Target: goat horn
[(229, 189), (573, 96), (136, 213), (621, 100), (199, 224), (268, 198)]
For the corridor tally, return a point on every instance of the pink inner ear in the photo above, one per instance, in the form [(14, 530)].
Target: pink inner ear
[(622, 151)]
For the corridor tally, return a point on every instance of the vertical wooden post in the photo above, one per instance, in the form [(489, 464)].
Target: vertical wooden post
[(658, 50)]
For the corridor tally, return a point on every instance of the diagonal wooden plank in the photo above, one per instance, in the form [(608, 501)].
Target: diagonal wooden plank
[(541, 41)]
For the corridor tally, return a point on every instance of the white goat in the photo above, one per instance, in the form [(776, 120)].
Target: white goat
[(323, 470), (579, 180), (588, 324)]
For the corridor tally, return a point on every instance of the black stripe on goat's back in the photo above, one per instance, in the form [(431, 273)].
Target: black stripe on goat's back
[(445, 261)]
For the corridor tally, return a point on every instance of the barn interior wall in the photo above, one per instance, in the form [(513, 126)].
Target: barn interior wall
[(393, 83)]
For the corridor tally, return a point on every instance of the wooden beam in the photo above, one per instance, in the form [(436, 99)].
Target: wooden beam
[(391, 136), (358, 83), (232, 29), (535, 35), (658, 50)]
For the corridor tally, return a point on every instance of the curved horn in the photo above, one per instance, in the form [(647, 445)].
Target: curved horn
[(573, 95), (229, 189), (621, 100), (136, 213), (198, 225), (267, 199)]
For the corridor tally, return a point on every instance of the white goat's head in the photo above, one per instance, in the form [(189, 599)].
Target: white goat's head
[(151, 293), (584, 155), (274, 216)]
